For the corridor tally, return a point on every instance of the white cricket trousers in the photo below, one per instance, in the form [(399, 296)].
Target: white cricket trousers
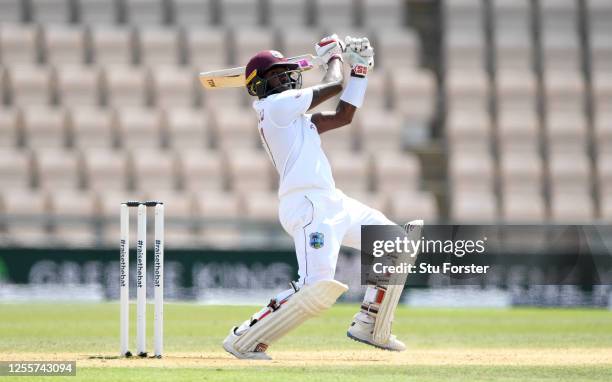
[(320, 222)]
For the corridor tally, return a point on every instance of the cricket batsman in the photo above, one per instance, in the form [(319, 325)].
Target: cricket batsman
[(318, 216)]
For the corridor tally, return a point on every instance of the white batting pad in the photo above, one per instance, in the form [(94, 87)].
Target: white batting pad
[(386, 311), (308, 302)]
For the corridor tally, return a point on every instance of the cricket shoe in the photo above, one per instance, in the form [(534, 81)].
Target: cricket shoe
[(228, 345), (361, 331)]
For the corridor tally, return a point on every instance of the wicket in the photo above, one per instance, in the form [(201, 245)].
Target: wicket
[(141, 277)]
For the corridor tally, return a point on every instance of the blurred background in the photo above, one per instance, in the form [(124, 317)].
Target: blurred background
[(478, 111)]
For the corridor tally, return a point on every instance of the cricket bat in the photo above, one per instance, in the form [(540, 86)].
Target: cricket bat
[(234, 77)]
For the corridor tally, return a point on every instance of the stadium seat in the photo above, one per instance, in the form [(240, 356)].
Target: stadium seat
[(397, 49), (3, 86), (281, 13), (112, 45), (44, 127), (601, 51), (379, 94), (228, 99), (139, 128), (16, 172), (384, 13), (564, 91), (513, 47), (98, 12), (261, 206), (63, 44), (19, 44), (559, 15), (473, 207), (174, 87), (159, 46), (145, 12), (249, 170), (517, 130), (78, 86), (576, 208), (26, 228), (380, 130), (396, 172), (299, 40), (239, 13), (106, 170), (341, 139), (126, 86), (202, 170), (187, 128), (74, 215), (407, 206), (561, 50), (212, 207), (567, 132), (523, 208), (603, 131), (602, 91), (11, 11), (57, 169), (31, 85), (467, 89), (570, 173), (471, 172), (468, 129), (516, 90), (464, 14), (600, 14), (512, 14), (51, 11), (414, 93), (465, 51), (333, 14), (606, 208), (604, 170), (207, 48), (521, 172), (192, 13), (154, 170), (377, 200), (9, 128), (235, 128), (351, 171), (249, 41), (92, 127)]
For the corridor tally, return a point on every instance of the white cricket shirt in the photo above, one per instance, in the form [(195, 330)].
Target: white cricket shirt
[(292, 141)]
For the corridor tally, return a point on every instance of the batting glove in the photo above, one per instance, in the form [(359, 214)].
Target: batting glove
[(360, 55), (330, 47)]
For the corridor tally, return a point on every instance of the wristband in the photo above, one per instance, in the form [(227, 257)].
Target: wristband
[(336, 55), (355, 90)]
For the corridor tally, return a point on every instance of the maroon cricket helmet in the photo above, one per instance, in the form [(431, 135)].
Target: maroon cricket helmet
[(262, 62)]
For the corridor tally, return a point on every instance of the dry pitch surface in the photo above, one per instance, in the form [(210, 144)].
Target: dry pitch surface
[(411, 357)]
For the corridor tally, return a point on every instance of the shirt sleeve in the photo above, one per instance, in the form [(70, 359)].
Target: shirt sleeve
[(289, 105)]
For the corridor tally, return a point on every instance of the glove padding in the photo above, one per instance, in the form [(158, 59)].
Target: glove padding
[(330, 47), (360, 55)]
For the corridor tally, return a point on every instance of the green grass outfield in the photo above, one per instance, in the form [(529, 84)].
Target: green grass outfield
[(444, 345)]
